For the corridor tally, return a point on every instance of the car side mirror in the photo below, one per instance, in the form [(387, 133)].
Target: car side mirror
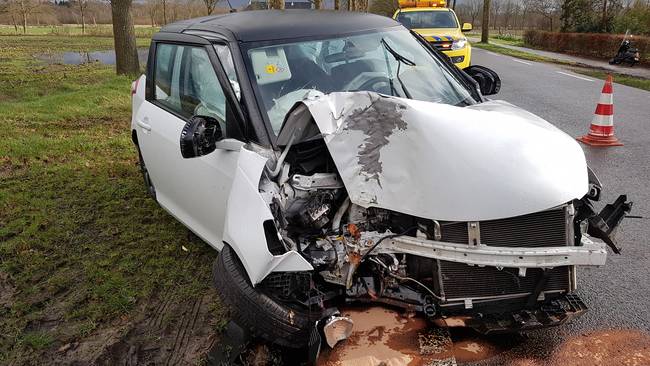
[(488, 81), (199, 136), (466, 27)]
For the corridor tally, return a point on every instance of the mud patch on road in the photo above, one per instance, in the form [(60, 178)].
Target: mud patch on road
[(469, 346), (379, 335), (609, 347), (384, 336)]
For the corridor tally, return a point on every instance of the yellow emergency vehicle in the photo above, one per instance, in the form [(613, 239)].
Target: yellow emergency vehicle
[(438, 25)]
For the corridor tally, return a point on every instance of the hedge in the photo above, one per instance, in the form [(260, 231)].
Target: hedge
[(595, 45)]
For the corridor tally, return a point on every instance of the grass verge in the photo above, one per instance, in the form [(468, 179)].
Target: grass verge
[(516, 53), (632, 81), (82, 247)]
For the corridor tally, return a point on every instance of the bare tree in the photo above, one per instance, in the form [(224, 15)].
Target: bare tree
[(474, 9), (509, 8), (495, 8), (151, 7), (164, 10), (126, 51), (384, 7), (22, 9), (485, 24), (337, 4), (82, 5), (210, 5), (318, 4), (546, 8)]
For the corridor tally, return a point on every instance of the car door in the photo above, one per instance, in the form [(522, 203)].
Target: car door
[(184, 82)]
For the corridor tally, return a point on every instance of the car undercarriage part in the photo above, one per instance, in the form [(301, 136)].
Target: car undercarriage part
[(336, 329)]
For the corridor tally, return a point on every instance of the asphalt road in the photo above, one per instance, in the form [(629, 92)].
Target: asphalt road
[(618, 294)]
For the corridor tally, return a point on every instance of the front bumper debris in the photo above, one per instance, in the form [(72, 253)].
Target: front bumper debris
[(604, 225), (552, 313), (592, 252)]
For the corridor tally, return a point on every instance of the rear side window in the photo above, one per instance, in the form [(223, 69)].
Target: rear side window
[(187, 84)]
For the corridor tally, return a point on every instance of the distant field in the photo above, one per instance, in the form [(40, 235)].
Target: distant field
[(100, 30)]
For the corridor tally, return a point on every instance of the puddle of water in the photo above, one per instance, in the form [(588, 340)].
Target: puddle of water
[(78, 58)]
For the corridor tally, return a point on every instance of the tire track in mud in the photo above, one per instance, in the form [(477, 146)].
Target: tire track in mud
[(183, 333), (170, 328)]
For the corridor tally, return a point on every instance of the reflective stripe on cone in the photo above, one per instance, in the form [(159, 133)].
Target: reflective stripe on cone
[(601, 131)]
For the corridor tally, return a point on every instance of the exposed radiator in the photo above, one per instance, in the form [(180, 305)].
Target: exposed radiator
[(461, 281), (540, 229)]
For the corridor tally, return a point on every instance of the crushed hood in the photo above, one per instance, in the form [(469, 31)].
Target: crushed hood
[(487, 161)]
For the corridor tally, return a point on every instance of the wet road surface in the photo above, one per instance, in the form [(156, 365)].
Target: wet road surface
[(618, 294)]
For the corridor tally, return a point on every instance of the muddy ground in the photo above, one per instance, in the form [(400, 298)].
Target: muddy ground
[(171, 333)]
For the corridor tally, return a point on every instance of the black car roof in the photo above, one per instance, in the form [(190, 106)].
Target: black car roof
[(260, 25)]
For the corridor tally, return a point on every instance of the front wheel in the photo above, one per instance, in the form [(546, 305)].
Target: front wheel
[(263, 316)]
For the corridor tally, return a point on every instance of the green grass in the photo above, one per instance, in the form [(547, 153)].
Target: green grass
[(80, 242), (516, 53), (508, 39), (618, 78), (36, 340)]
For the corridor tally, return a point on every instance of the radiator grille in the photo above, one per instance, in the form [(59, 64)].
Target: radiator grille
[(461, 281), (540, 229)]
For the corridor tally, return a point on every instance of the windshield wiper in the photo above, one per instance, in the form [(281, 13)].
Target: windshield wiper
[(400, 59), (396, 54)]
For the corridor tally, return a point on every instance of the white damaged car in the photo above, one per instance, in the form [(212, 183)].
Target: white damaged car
[(336, 157)]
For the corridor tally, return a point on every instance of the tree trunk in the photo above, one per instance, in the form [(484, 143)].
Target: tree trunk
[(604, 16), (164, 4), (337, 4), (24, 23), (83, 20), (318, 4), (13, 20), (126, 51), (485, 24)]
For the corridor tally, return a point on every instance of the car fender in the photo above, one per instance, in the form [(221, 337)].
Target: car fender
[(246, 212)]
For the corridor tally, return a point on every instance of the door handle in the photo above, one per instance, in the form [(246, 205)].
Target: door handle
[(145, 126)]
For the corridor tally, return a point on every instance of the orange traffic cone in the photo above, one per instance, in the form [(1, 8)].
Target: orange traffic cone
[(601, 131)]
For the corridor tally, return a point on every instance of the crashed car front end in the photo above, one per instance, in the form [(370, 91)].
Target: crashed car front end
[(474, 216)]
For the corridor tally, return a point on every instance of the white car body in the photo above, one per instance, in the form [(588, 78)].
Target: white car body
[(539, 167)]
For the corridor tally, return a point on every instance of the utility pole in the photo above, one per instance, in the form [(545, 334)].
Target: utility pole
[(485, 24)]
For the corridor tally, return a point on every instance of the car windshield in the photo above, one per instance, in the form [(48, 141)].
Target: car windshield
[(427, 19), (389, 62)]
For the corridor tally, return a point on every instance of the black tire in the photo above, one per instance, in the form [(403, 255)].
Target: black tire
[(251, 309), (148, 184)]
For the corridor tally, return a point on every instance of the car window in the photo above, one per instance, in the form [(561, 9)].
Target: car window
[(223, 52), (390, 62), (186, 83)]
